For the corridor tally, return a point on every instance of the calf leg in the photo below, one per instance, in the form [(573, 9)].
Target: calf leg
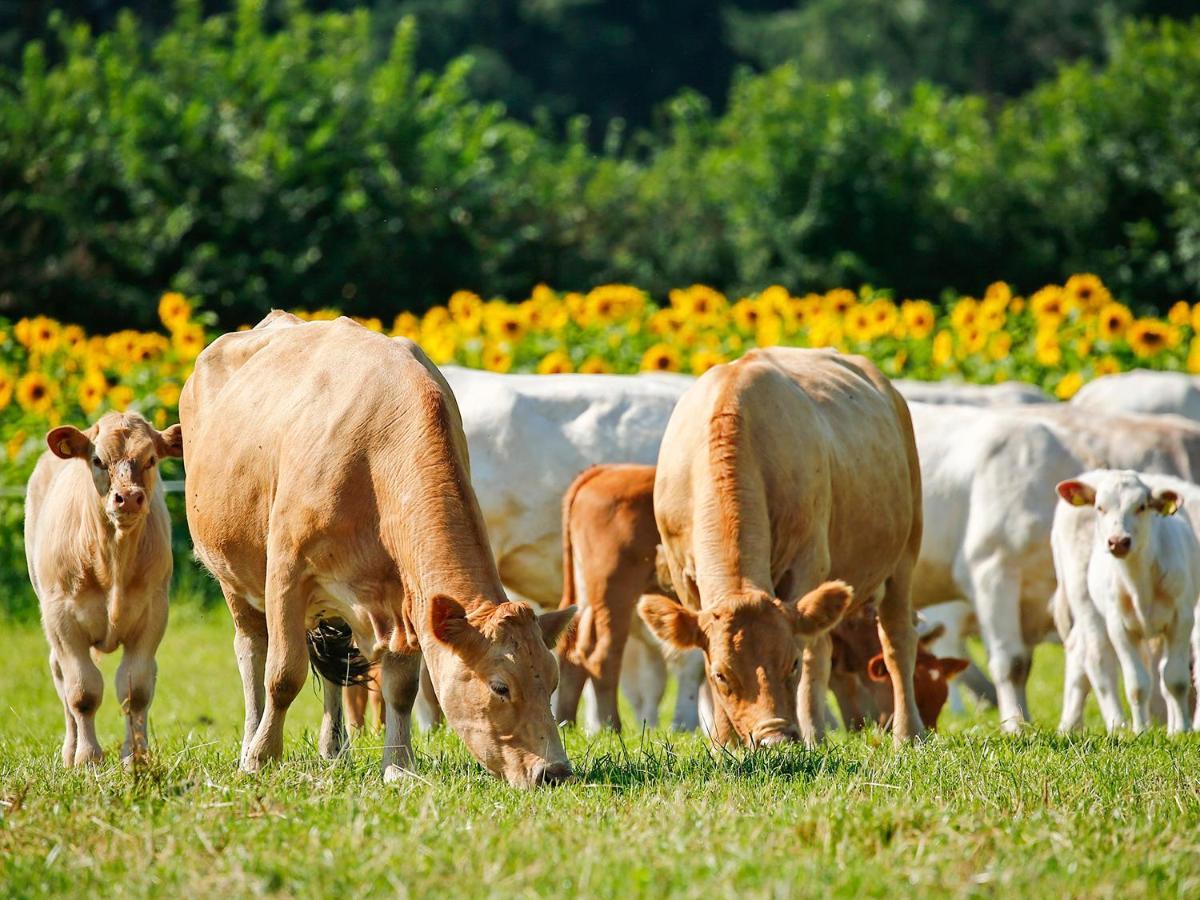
[(814, 682), (399, 681), (571, 679), (354, 701), (1196, 672), (83, 689), (68, 747), (1174, 672), (1137, 679), (689, 676), (1075, 682), (287, 658), (136, 677), (898, 637), (644, 680), (250, 649), (332, 739)]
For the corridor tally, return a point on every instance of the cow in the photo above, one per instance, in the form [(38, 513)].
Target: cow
[(1008, 393), (778, 473), (329, 487), (529, 436), (1142, 391), (1129, 577), (98, 546), (609, 548)]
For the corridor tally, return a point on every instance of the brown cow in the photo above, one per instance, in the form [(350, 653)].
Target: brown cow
[(778, 472), (98, 544), (328, 480)]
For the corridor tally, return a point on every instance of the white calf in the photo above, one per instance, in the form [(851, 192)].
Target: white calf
[(1141, 568)]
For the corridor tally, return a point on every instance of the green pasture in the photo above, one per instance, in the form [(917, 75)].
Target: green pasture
[(970, 811)]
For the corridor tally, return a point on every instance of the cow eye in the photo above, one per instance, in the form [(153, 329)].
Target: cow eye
[(499, 688), (96, 461), (795, 667), (1142, 508), (150, 462)]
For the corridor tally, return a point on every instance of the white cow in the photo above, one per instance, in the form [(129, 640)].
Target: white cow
[(1009, 393), (1130, 572), (1143, 391)]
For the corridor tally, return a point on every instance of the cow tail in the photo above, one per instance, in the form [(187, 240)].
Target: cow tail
[(566, 645), (334, 656)]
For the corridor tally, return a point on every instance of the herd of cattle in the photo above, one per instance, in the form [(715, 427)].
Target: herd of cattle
[(768, 530)]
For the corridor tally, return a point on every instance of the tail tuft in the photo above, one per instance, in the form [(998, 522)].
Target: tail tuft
[(334, 656)]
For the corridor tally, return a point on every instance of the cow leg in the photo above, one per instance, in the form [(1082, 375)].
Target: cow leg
[(250, 649), (973, 680), (571, 679), (287, 658), (332, 738), (375, 697), (644, 681), (68, 747), (399, 680), (1196, 673), (136, 677), (1137, 679), (1075, 682), (354, 701), (689, 676), (898, 637), (1174, 671), (814, 682), (996, 599), (428, 709), (83, 689), (845, 687)]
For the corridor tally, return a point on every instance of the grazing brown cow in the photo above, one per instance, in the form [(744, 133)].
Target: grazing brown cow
[(328, 480), (778, 472), (98, 544)]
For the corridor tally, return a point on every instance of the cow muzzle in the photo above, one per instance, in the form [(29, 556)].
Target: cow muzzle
[(126, 504), (1120, 546), (771, 732), (550, 773)]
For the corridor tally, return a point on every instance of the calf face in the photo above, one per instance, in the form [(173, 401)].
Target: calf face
[(122, 451), (931, 682), (1123, 503), (493, 673), (752, 646)]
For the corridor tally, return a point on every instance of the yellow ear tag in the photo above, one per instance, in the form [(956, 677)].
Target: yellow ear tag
[(1077, 500), (1169, 508), (64, 447)]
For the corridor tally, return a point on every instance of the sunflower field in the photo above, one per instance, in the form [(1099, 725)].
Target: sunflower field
[(1058, 338)]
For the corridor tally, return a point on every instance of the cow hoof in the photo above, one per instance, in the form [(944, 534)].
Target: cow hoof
[(393, 774)]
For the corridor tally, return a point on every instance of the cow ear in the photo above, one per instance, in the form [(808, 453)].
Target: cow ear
[(952, 665), (448, 622), (931, 635), (1165, 502), (67, 442), (1076, 493), (672, 623), (170, 442), (821, 609), (877, 668), (555, 624)]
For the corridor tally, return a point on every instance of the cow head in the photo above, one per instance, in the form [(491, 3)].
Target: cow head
[(931, 683), (752, 645), (122, 451), (493, 674), (1123, 503)]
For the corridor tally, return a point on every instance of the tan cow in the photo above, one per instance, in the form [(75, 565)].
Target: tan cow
[(328, 480), (778, 472), (98, 544)]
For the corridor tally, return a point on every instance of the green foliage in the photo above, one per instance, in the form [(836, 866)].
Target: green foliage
[(294, 165)]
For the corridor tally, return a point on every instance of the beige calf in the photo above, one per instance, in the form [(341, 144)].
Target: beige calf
[(98, 544)]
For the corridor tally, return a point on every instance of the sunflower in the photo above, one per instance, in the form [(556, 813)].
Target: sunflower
[(943, 348), (703, 303), (965, 314), (609, 303), (1149, 337), (16, 444), (1180, 313), (839, 300), (44, 335), (504, 322), (74, 338), (998, 293), (883, 316), (1106, 365), (36, 393), (440, 346), (859, 325), (496, 358), (661, 358), (999, 346), (174, 310), (919, 318), (805, 309), (1068, 386), (769, 331), (556, 362), (1046, 349), (1114, 319), (972, 340), (704, 359), (92, 391), (6, 388), (120, 397), (406, 325), (371, 324), (167, 393), (1086, 291), (776, 298), (746, 314), (466, 309), (1049, 303), (594, 365), (825, 331), (188, 341), (993, 314)]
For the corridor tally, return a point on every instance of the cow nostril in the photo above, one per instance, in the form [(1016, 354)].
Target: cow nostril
[(138, 499), (119, 499), (554, 773)]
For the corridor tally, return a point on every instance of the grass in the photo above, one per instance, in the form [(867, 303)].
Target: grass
[(968, 812)]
